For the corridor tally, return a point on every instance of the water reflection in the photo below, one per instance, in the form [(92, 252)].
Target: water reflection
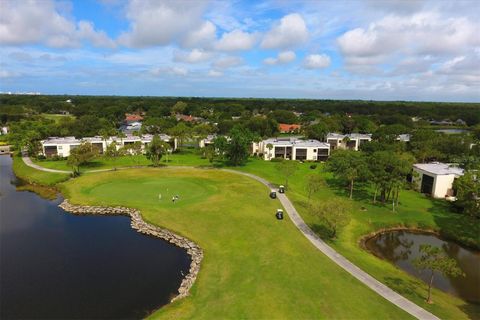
[(57, 265), (401, 247)]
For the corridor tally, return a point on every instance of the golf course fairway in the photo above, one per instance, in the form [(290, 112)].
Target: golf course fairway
[(254, 266)]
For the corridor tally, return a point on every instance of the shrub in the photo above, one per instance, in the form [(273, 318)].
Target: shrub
[(313, 166), (277, 160)]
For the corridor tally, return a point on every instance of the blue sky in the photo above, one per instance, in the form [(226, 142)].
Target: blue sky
[(371, 49)]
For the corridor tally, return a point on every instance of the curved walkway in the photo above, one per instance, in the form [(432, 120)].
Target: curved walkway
[(384, 291), (30, 163)]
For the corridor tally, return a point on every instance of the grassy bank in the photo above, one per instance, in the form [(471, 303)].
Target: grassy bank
[(255, 266), (415, 210), (34, 176)]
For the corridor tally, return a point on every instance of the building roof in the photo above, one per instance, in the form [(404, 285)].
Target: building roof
[(130, 117), (355, 136), (292, 141), (99, 139), (284, 127), (404, 137), (439, 168)]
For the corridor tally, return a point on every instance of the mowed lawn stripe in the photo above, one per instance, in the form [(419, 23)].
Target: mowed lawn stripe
[(254, 266)]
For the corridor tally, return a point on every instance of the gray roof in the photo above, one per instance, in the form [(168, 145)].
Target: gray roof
[(98, 139), (439, 168), (355, 136), (292, 141)]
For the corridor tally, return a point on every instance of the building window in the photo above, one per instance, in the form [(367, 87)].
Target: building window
[(315, 150), (59, 147)]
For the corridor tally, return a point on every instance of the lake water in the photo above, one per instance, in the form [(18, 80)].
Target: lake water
[(452, 131), (401, 247), (54, 265)]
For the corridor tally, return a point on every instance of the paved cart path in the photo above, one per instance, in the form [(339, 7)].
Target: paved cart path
[(387, 293), (30, 163), (355, 271)]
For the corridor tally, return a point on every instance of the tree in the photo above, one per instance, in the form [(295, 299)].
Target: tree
[(136, 150), (422, 144), (435, 259), (468, 193), (335, 214), (284, 116), (388, 172), (287, 168), (269, 147), (80, 156), (239, 144), (167, 149), (348, 165), (113, 152), (317, 131), (179, 107), (181, 132), (155, 150), (314, 183), (210, 153), (220, 144)]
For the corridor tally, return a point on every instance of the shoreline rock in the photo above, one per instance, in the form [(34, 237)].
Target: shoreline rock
[(137, 223)]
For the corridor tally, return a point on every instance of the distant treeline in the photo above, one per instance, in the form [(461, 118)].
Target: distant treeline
[(14, 107)]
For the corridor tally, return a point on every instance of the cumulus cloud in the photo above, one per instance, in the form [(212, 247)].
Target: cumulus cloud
[(87, 31), (424, 33), (282, 58), (316, 61), (236, 40), (289, 32), (194, 56), (41, 22), (203, 37), (161, 22), (215, 73), (175, 70), (228, 62), (5, 74)]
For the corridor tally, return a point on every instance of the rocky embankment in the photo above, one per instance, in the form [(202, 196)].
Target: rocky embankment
[(141, 226)]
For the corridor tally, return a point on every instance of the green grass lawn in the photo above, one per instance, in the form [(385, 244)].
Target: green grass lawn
[(34, 176), (183, 158), (57, 117), (254, 266), (415, 210)]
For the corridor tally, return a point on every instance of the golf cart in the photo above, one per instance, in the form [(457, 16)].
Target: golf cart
[(281, 189), (273, 194), (279, 214)]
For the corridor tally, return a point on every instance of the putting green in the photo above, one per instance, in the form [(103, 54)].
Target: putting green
[(254, 266), (156, 191)]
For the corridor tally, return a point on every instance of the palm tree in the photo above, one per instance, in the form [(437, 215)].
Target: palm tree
[(269, 147), (166, 147)]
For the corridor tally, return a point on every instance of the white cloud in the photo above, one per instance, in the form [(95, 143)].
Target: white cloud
[(423, 33), (228, 62), (215, 73), (161, 22), (236, 40), (282, 58), (4, 74), (97, 38), (175, 70), (316, 61), (203, 37), (41, 22), (194, 56), (291, 31)]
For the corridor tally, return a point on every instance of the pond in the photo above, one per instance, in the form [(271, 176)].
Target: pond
[(452, 131), (57, 265), (401, 247)]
